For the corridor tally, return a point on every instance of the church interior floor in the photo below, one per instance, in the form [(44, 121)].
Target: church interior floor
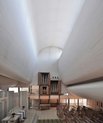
[(47, 114), (43, 116)]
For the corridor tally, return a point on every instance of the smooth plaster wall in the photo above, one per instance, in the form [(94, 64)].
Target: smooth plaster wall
[(82, 57), (92, 91), (17, 51)]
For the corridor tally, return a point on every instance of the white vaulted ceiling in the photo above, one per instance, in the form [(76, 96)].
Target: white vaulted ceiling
[(89, 91), (53, 20), (82, 57), (63, 37), (17, 52), (33, 29), (34, 34)]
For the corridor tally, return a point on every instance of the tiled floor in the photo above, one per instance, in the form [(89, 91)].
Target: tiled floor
[(30, 116), (41, 115), (47, 114)]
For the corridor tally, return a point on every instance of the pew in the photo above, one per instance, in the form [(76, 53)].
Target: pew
[(79, 114)]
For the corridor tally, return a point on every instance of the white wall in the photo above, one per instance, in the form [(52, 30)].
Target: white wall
[(17, 44), (90, 91), (82, 57)]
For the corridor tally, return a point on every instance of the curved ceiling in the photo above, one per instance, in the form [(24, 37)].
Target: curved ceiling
[(33, 33), (17, 52), (29, 27), (50, 54), (53, 20), (89, 91), (82, 57)]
